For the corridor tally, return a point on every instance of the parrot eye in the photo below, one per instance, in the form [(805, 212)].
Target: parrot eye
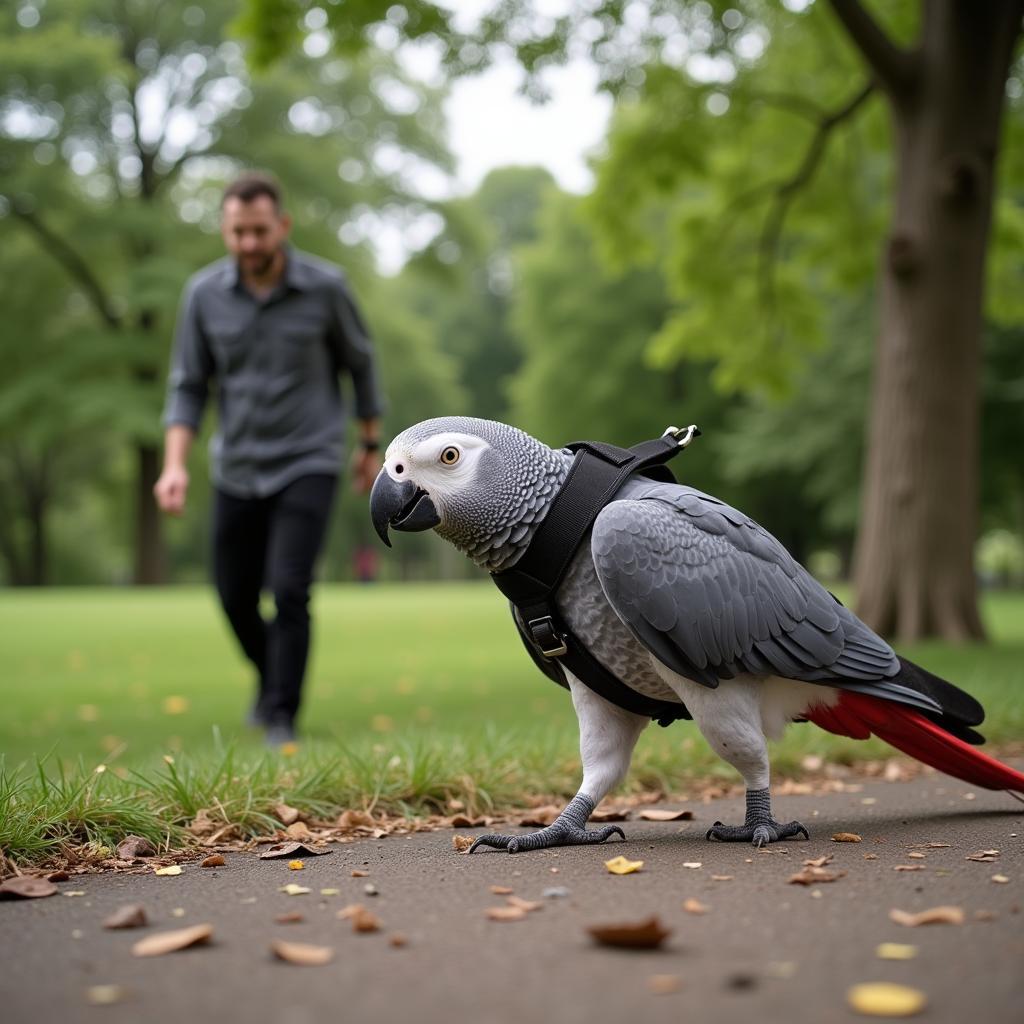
[(450, 455)]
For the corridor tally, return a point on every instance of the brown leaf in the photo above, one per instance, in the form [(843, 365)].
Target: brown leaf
[(355, 819), (721, 878), (359, 873), (298, 830), (462, 843), (170, 942), (301, 953), (58, 876), (609, 815), (916, 855), (815, 876), (288, 849), (657, 814), (285, 814), (819, 862), (506, 913), (361, 918), (525, 905), (983, 856), (539, 817), (846, 837), (26, 888), (215, 860), (290, 917), (129, 915), (647, 934), (135, 846), (501, 890), (908, 867), (464, 821), (935, 915), (692, 906)]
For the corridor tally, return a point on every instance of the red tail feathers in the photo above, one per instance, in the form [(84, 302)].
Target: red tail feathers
[(858, 716)]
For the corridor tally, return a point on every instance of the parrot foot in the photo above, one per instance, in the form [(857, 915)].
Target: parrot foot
[(760, 828), (566, 830)]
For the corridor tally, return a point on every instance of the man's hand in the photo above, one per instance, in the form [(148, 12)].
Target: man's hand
[(171, 490), (366, 466)]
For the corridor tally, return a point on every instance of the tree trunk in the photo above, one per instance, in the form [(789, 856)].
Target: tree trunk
[(914, 570), (150, 563)]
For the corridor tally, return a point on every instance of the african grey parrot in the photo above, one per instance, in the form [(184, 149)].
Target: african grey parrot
[(685, 599)]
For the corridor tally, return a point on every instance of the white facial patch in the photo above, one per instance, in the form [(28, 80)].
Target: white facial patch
[(422, 463)]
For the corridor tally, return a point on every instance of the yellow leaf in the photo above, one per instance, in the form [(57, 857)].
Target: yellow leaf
[(293, 890), (174, 869), (882, 999), (295, 865), (895, 951), (621, 866), (330, 892), (846, 837)]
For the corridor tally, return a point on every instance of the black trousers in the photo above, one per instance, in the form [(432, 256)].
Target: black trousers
[(272, 543)]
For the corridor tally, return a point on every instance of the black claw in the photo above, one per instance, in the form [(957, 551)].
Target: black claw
[(495, 841)]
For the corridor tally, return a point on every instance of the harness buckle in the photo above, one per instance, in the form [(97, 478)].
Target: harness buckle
[(682, 435), (547, 638)]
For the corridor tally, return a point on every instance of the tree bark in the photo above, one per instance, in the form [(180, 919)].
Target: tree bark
[(914, 567)]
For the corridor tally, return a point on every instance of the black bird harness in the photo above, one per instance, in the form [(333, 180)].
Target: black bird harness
[(597, 473)]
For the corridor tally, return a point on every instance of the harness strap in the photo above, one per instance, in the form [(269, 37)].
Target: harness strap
[(597, 473)]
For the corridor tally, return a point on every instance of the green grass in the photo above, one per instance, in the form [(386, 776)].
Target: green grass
[(416, 694)]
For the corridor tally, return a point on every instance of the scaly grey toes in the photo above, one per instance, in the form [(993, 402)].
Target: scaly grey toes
[(759, 834), (554, 835)]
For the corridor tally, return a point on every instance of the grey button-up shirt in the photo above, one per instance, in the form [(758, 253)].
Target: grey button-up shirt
[(276, 362)]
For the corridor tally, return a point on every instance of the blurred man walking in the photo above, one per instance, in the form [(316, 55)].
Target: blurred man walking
[(275, 329)]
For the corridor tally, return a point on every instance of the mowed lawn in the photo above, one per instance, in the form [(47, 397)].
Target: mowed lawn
[(125, 676)]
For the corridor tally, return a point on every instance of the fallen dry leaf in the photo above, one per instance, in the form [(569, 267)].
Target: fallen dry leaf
[(846, 837), (58, 876), (647, 934), (983, 856), (814, 876), (357, 873), (135, 846), (608, 814), (301, 953), (293, 890), (505, 913), (355, 819), (501, 890), (908, 867), (398, 940), (330, 892), (721, 878), (935, 915), (215, 860), (361, 918), (130, 915), (1000, 879), (692, 864), (26, 888), (692, 906), (895, 951), (883, 999), (819, 862), (525, 905), (464, 821), (170, 942), (279, 850), (291, 917), (621, 866), (462, 843), (664, 984), (104, 995), (657, 814), (173, 869), (285, 814), (916, 855), (871, 856), (296, 865), (298, 830)]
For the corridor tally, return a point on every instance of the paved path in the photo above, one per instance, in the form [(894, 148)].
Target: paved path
[(765, 950)]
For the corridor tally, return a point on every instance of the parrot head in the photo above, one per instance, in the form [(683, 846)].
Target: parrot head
[(480, 484)]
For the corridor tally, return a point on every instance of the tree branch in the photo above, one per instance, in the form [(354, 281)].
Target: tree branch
[(894, 67), (786, 191), (72, 262)]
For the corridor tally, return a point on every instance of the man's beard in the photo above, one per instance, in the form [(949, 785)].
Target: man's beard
[(261, 268)]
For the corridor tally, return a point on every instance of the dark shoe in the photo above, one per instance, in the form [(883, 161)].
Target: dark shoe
[(280, 734), (255, 718)]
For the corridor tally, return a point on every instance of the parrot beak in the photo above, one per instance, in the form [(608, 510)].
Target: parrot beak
[(403, 505)]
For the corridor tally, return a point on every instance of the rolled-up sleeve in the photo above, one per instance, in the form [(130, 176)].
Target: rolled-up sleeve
[(191, 367), (354, 352)]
